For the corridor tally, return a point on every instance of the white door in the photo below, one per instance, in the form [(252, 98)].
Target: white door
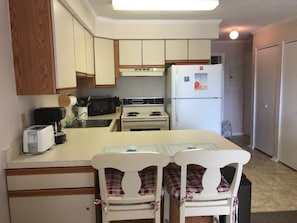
[(197, 81), (197, 114), (288, 126), (266, 84)]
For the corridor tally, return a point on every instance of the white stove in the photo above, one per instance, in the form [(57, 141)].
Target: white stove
[(143, 114)]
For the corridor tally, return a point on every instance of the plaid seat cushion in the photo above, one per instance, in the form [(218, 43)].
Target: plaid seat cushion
[(194, 179), (114, 178)]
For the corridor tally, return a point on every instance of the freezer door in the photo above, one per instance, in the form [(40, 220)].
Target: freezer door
[(197, 114), (197, 81)]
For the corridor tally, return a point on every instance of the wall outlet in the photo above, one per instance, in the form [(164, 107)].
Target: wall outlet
[(23, 120)]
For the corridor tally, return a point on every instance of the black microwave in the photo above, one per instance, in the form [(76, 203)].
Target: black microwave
[(102, 105)]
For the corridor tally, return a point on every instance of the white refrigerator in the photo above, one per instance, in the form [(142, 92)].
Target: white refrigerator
[(194, 96)]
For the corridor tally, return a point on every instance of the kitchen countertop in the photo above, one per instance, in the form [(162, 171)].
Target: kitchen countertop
[(83, 143)]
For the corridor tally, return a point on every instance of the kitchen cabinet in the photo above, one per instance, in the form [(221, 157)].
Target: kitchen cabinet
[(43, 47), (80, 47), (141, 53), (104, 62), (90, 53), (130, 52), (84, 49), (176, 50), (63, 47), (188, 50), (153, 52), (199, 49), (64, 194)]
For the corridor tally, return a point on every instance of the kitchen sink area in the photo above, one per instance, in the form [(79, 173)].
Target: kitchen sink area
[(91, 123)]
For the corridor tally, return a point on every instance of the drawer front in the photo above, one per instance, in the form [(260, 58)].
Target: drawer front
[(50, 181), (50, 178)]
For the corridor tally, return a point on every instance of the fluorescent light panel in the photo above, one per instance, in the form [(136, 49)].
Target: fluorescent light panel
[(165, 5)]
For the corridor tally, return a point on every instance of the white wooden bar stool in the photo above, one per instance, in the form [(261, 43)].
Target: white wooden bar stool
[(130, 184), (198, 189)]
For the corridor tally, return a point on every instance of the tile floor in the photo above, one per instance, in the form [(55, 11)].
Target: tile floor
[(274, 185)]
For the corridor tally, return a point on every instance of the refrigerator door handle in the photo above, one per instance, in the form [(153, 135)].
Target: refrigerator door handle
[(175, 112)]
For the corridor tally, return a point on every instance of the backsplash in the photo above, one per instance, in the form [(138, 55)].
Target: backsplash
[(130, 87)]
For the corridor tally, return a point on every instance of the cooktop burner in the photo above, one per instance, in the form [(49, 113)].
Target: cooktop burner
[(155, 113), (132, 114)]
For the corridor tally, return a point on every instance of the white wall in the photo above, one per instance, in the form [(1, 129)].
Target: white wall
[(237, 58), (275, 34), (9, 118), (12, 105)]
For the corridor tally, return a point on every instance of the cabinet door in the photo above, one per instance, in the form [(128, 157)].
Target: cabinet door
[(288, 125), (199, 49), (32, 42), (64, 47), (48, 209), (266, 85), (130, 52), (90, 53), (153, 52), (80, 47), (176, 50), (104, 62)]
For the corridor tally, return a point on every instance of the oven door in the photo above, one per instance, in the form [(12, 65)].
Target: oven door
[(145, 125)]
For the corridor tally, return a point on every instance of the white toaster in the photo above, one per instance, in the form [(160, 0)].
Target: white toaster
[(38, 139)]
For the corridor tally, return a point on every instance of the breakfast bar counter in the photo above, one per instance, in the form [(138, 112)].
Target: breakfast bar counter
[(64, 180), (83, 143)]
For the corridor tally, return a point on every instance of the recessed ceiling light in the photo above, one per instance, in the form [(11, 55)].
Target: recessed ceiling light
[(165, 5)]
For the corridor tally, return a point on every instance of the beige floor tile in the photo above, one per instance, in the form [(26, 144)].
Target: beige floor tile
[(274, 185)]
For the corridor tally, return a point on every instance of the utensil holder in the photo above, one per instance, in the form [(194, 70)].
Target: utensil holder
[(82, 113)]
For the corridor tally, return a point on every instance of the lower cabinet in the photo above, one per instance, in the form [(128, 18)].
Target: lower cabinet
[(53, 209), (52, 195)]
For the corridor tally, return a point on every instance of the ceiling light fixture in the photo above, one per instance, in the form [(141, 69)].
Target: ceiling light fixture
[(165, 5), (233, 34)]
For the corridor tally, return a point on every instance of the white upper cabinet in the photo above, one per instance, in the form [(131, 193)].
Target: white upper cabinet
[(104, 62), (130, 52), (176, 49), (84, 49), (199, 49), (90, 53), (141, 52), (63, 46), (80, 47), (153, 52), (188, 49)]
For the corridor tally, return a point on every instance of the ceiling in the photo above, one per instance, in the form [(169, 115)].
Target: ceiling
[(247, 16)]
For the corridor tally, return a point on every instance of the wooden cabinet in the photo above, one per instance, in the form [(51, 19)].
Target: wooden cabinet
[(42, 40), (188, 50), (104, 62), (141, 53), (49, 195)]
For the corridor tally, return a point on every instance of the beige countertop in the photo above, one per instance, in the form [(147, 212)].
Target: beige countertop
[(83, 143)]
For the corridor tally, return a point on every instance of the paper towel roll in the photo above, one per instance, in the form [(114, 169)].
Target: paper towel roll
[(67, 100)]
